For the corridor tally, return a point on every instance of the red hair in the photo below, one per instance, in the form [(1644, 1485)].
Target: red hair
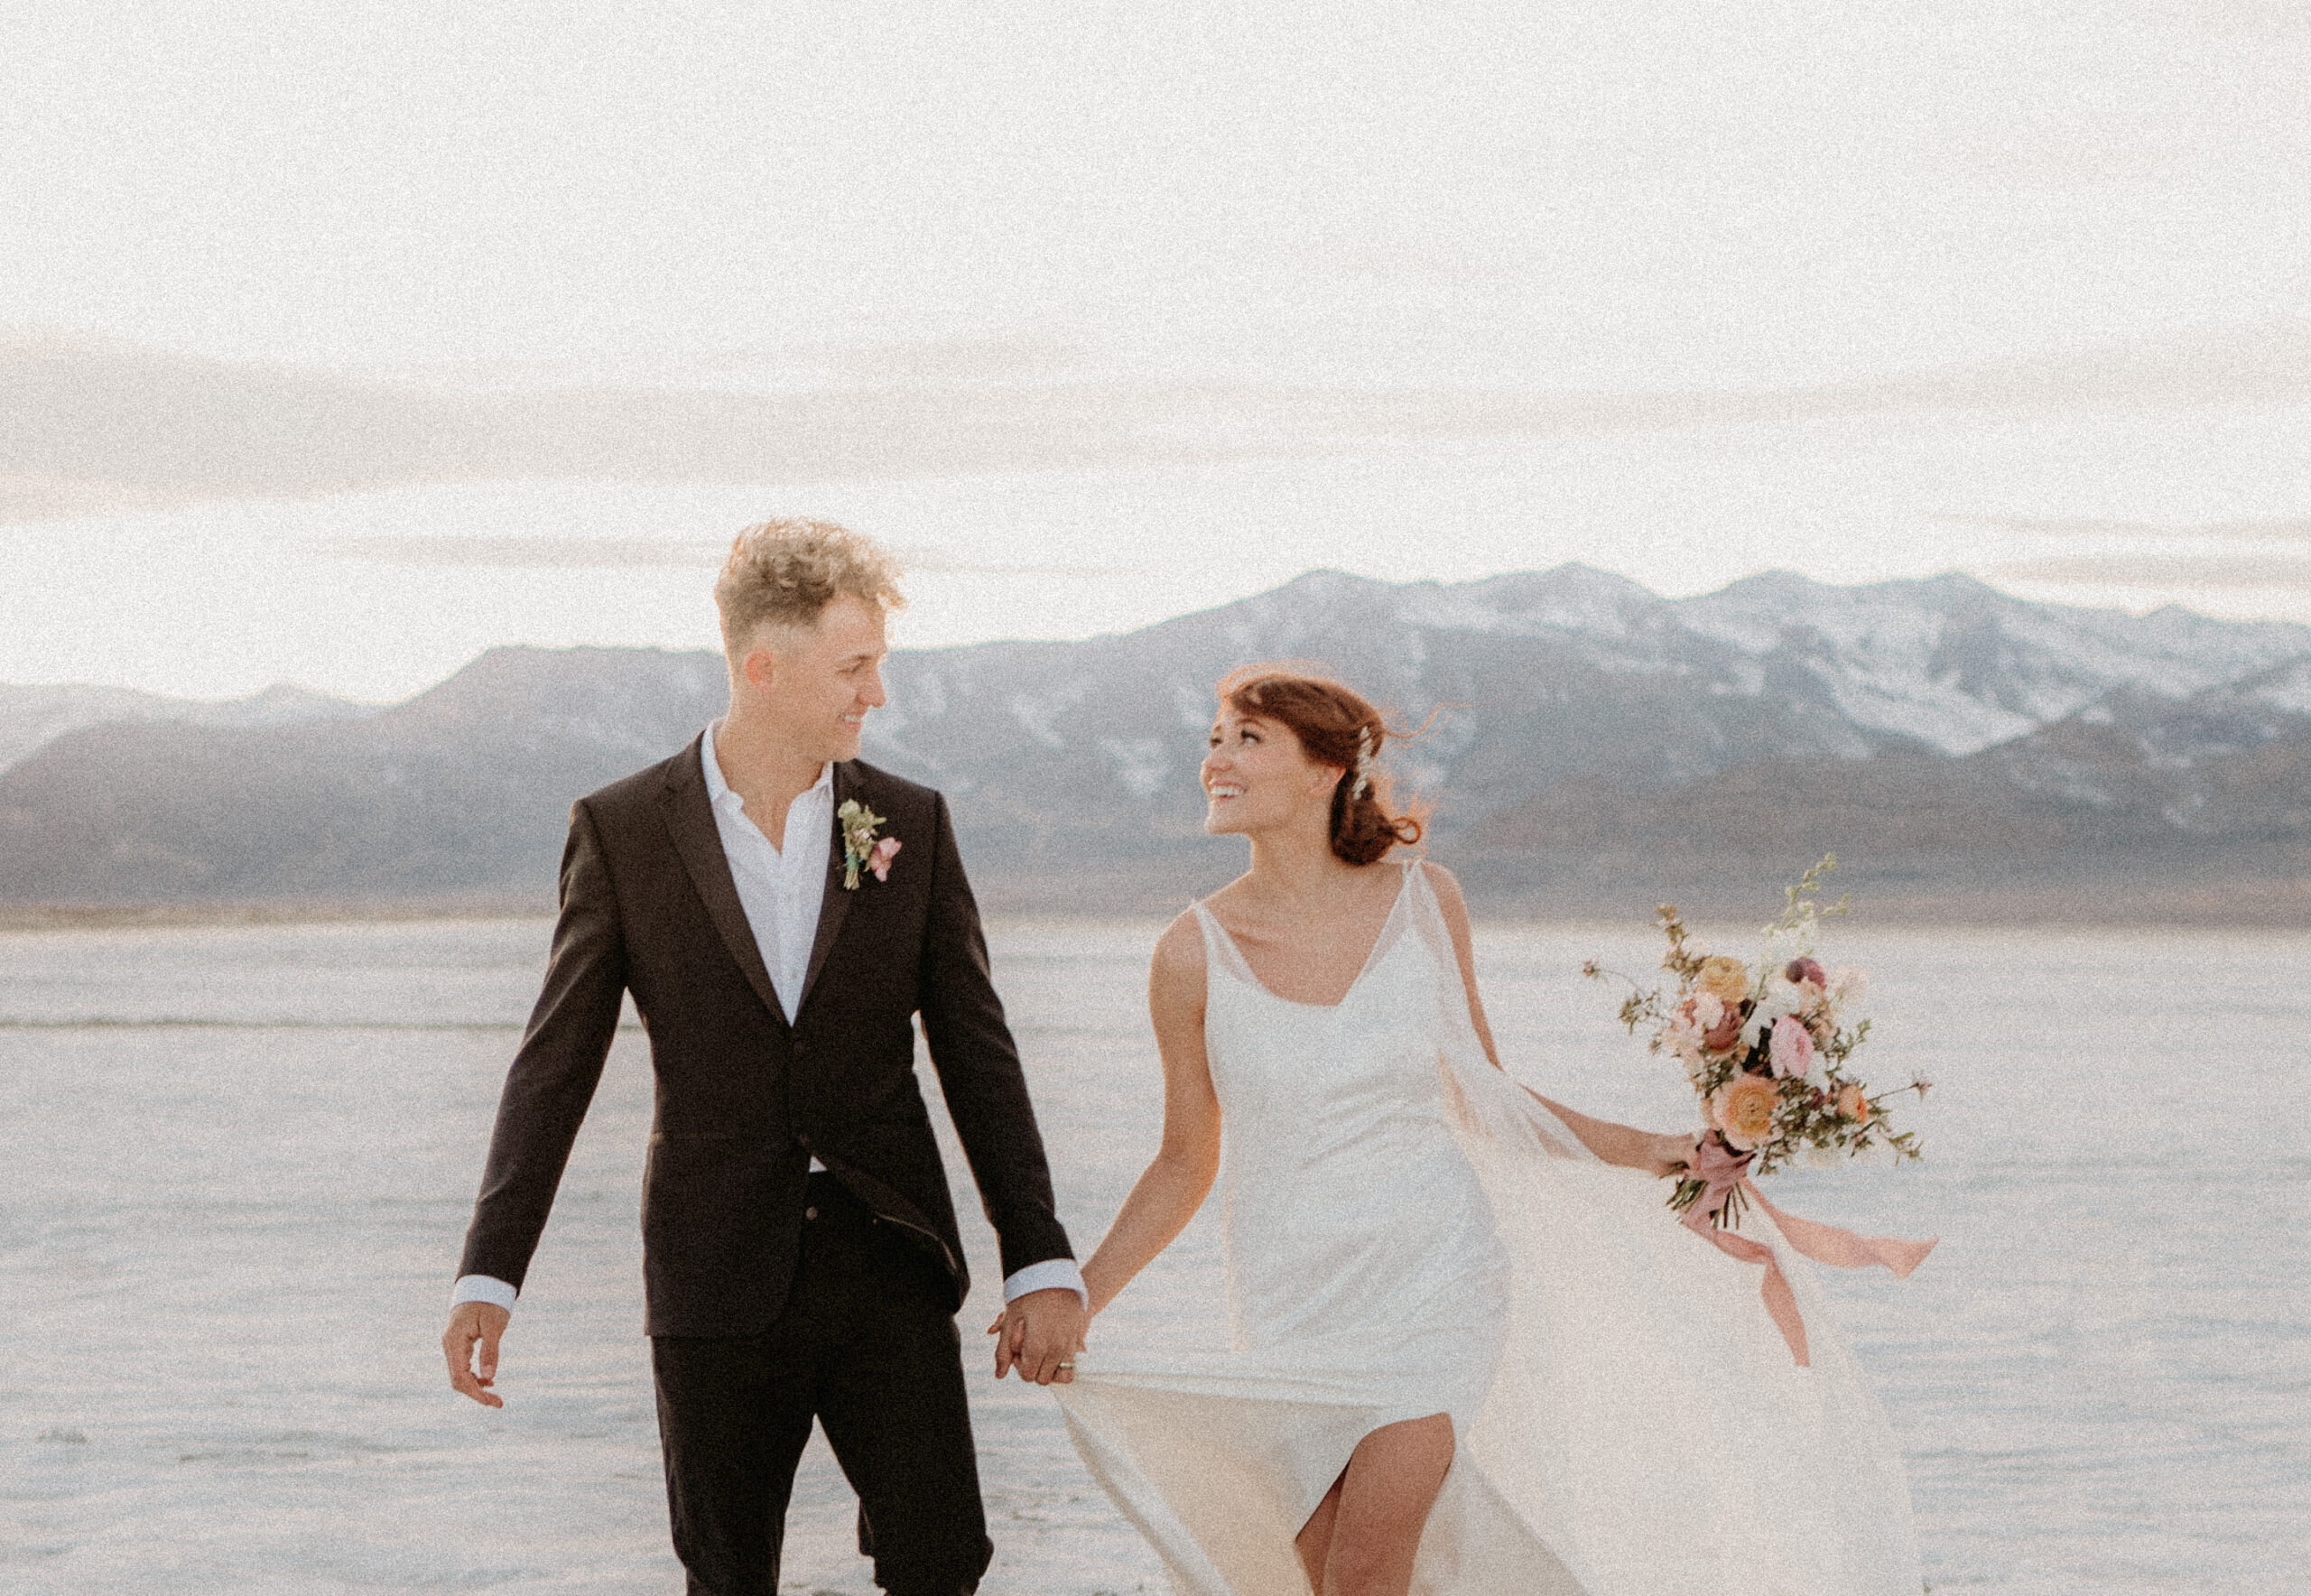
[(1335, 725)]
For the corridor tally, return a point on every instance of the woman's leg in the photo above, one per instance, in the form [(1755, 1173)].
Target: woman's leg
[(1316, 1536), (1362, 1538)]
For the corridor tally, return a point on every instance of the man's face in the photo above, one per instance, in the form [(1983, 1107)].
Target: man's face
[(818, 682)]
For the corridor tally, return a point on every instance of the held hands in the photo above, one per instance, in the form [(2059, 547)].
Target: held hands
[(471, 1323), (1040, 1334)]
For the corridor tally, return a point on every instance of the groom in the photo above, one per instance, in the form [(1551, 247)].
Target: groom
[(781, 914)]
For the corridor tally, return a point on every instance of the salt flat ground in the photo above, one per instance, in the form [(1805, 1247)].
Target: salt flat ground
[(238, 1161)]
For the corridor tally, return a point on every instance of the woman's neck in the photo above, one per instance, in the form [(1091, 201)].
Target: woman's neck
[(1296, 866)]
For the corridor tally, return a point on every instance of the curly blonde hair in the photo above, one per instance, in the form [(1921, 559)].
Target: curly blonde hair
[(783, 573)]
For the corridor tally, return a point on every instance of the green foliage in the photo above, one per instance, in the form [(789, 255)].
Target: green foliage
[(1825, 1110)]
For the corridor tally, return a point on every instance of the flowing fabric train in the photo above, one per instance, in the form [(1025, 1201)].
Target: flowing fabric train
[(1408, 1232)]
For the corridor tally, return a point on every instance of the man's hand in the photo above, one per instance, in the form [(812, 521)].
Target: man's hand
[(482, 1322), (1040, 1334)]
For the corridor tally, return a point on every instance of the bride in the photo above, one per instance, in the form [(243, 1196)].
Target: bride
[(1470, 1350)]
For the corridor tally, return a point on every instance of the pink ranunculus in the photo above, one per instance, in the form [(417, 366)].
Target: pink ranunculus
[(879, 862), (1793, 1047), (1849, 984)]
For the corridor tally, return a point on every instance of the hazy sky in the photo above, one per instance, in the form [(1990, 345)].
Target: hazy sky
[(1465, 198)]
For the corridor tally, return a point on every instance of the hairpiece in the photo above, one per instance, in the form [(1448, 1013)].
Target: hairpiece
[(1364, 764)]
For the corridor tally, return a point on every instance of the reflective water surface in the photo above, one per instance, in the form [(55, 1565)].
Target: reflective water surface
[(238, 1163)]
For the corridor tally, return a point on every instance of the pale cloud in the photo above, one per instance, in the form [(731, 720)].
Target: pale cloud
[(219, 600), (399, 332), (2285, 531), (98, 429), (1470, 192), (529, 553), (612, 553), (2270, 575)]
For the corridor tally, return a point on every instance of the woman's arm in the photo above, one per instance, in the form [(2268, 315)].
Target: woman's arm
[(1173, 1185), (1624, 1144)]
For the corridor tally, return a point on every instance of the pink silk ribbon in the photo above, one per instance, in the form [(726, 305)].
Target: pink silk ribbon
[(1825, 1244)]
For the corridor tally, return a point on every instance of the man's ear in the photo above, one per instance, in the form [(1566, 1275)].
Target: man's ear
[(760, 667)]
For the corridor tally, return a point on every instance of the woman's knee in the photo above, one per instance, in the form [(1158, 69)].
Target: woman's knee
[(1410, 1455), (1389, 1489), (1363, 1564)]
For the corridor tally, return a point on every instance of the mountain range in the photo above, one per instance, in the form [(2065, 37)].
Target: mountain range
[(31, 716), (1584, 745)]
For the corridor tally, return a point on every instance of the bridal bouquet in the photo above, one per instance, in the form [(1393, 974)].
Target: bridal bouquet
[(1767, 1044)]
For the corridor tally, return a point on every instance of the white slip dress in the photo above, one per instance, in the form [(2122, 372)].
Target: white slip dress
[(1407, 1232)]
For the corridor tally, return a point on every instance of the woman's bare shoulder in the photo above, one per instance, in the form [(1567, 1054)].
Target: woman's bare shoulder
[(1179, 954), (1447, 888), (1229, 898)]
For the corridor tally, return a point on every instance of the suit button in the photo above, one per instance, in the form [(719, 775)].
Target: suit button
[(809, 1213)]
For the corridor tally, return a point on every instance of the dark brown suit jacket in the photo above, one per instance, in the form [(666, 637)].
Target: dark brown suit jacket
[(745, 1099)]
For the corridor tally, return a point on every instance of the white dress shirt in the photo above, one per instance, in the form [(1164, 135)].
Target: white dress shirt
[(781, 889)]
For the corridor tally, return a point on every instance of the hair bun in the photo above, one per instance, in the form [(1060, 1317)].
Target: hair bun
[(1336, 726)]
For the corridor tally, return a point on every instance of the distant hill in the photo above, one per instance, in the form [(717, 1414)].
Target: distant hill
[(460, 793), (32, 716), (1596, 747)]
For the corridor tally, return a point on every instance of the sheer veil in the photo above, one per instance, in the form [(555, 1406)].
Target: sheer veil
[(1628, 1420), (1647, 1419)]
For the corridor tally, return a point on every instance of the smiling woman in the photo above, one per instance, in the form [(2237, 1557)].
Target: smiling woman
[(1335, 727), (1470, 1350)]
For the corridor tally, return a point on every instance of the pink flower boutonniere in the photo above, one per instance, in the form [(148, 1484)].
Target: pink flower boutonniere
[(860, 846)]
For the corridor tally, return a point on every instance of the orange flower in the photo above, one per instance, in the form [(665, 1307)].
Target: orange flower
[(1743, 1109), (1853, 1104), (1727, 979)]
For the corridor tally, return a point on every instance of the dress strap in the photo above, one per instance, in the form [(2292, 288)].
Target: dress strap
[(1427, 915), (1219, 947)]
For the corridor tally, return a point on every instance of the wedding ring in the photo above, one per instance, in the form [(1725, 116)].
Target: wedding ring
[(1066, 1366)]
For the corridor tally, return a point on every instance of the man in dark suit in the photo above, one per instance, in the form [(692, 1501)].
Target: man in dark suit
[(781, 914)]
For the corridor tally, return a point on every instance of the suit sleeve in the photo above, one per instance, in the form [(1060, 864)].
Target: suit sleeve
[(979, 1069), (557, 1067)]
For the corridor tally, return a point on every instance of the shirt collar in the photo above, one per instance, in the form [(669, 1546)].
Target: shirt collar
[(719, 792)]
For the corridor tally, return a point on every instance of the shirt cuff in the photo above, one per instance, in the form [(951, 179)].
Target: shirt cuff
[(1048, 1276), (483, 1288)]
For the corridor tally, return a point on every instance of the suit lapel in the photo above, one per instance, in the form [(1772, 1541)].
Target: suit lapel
[(835, 900), (689, 819)]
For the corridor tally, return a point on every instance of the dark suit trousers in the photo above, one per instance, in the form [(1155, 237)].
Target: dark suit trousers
[(866, 1347)]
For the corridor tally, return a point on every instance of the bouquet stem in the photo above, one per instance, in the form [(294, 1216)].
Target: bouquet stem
[(1720, 1188)]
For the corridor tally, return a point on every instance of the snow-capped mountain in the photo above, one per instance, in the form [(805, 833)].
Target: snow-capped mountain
[(1959, 666), (1937, 727), (1533, 679)]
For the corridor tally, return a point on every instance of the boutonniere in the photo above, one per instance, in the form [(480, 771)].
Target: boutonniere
[(860, 846)]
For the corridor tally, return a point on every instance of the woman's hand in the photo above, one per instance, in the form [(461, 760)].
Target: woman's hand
[(1669, 1155), (1039, 1334)]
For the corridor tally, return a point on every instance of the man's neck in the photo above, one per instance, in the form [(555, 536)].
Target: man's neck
[(767, 772)]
